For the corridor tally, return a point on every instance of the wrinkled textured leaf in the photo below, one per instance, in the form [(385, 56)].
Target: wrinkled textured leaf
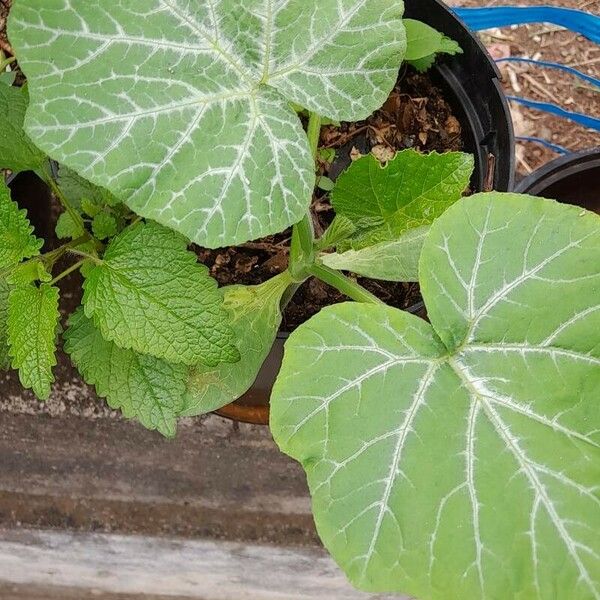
[(4, 357), (68, 227), (182, 109), (389, 261), (461, 459), (104, 226), (255, 318), (412, 190), (141, 386), (17, 151), (32, 324), (16, 233), (28, 272), (151, 295)]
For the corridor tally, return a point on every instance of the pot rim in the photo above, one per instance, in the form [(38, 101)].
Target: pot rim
[(558, 169)]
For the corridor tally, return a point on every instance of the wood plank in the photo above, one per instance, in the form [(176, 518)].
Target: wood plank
[(104, 564), (214, 480)]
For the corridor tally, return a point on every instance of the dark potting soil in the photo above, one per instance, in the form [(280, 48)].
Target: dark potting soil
[(416, 115)]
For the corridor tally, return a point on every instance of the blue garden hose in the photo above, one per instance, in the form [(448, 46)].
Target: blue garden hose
[(552, 65), (554, 147), (578, 21)]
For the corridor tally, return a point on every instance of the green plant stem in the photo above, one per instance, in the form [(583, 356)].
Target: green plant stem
[(343, 284), (67, 272), (86, 256), (302, 250), (49, 258)]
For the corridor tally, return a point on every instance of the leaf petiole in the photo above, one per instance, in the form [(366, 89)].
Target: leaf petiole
[(302, 250), (67, 272), (343, 284)]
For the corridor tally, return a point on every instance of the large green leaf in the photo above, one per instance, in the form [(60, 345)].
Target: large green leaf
[(182, 109), (141, 386), (150, 294), (17, 151), (32, 324), (412, 190), (16, 233), (397, 260), (255, 318), (461, 459)]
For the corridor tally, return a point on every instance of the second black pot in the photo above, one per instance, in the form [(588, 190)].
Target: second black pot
[(573, 179)]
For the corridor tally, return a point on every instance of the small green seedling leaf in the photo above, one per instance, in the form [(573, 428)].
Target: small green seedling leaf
[(16, 233), (190, 122), (390, 261), (424, 43), (33, 320), (326, 155), (68, 227), (412, 190), (83, 194), (104, 226), (17, 151), (340, 230), (255, 317), (325, 184), (461, 459), (150, 294), (90, 208), (141, 386)]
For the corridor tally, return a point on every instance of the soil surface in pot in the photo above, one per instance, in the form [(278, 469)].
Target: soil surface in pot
[(416, 115)]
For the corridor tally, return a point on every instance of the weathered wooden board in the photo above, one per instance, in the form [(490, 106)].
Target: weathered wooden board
[(213, 480), (101, 564)]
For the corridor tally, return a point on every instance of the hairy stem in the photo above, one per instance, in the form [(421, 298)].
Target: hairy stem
[(343, 284), (67, 272)]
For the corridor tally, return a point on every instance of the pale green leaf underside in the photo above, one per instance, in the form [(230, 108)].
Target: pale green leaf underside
[(182, 108), (469, 469), (255, 318), (17, 152), (32, 324), (16, 233), (390, 261), (141, 386), (151, 295), (412, 190)]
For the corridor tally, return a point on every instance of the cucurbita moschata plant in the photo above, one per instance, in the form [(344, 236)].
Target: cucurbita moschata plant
[(452, 459)]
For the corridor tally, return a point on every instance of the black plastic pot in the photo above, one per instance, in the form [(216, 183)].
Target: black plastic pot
[(572, 179), (471, 83)]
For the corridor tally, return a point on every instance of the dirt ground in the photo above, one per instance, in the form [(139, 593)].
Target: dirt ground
[(548, 43)]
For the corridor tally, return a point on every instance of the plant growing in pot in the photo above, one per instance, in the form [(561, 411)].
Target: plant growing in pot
[(449, 459)]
